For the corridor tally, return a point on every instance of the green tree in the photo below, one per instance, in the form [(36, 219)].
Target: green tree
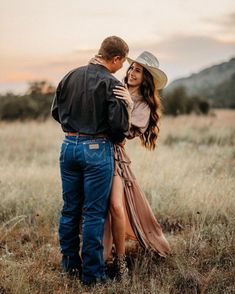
[(40, 88), (178, 102), (34, 104)]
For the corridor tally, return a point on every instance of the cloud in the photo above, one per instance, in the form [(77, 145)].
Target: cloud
[(179, 56), (19, 76), (182, 55), (195, 47), (224, 26), (71, 60), (229, 21), (226, 21), (19, 71)]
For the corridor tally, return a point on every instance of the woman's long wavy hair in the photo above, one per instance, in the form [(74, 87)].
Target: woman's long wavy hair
[(152, 97)]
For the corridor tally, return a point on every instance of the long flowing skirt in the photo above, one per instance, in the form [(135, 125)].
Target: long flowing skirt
[(141, 224)]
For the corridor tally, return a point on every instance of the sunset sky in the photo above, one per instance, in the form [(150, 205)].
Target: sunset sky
[(44, 39)]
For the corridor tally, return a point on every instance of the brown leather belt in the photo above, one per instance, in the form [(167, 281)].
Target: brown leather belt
[(75, 134)]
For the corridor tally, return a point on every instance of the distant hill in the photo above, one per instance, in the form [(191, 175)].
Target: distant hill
[(216, 83)]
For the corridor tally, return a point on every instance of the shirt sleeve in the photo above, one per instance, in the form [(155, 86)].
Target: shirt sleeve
[(54, 107), (139, 120), (55, 111), (117, 114)]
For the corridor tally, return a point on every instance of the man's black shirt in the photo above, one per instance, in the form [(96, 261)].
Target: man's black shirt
[(84, 102)]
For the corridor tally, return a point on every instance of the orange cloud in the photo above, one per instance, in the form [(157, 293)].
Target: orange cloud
[(18, 76)]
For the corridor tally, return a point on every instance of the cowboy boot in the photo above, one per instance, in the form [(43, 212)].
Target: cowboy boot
[(121, 266)]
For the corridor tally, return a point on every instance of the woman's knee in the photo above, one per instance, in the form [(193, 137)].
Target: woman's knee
[(117, 209), (116, 201)]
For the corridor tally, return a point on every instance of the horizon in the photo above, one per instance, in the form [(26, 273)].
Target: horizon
[(118, 75), (48, 39)]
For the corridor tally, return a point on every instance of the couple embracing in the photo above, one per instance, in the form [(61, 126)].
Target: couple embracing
[(103, 203)]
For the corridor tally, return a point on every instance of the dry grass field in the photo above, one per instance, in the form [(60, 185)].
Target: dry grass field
[(189, 180)]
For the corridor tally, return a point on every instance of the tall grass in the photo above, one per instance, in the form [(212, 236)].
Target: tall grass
[(189, 181)]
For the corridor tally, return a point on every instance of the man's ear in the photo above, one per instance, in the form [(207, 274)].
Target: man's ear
[(115, 59)]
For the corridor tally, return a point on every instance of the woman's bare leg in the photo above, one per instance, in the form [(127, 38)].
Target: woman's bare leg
[(118, 215)]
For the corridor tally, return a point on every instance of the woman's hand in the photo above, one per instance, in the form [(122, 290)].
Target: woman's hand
[(123, 93)]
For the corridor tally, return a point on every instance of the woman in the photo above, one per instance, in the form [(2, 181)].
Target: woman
[(130, 214)]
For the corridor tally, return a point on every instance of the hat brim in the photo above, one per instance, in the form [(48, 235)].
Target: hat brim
[(160, 78)]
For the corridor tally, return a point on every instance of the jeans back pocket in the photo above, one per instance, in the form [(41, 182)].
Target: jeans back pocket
[(95, 152)]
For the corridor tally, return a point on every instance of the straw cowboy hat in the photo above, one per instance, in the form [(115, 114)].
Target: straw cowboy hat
[(150, 62)]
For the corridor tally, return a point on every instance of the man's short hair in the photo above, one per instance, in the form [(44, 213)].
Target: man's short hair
[(113, 46)]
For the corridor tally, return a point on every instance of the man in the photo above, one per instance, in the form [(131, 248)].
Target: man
[(92, 119)]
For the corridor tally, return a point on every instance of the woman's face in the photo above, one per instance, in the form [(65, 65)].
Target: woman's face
[(135, 75)]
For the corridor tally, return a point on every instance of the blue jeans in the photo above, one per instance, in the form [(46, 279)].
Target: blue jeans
[(86, 165)]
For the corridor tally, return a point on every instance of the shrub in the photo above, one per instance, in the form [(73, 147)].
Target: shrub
[(178, 102), (35, 104)]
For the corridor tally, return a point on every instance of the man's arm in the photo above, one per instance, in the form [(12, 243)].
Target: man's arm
[(118, 118), (54, 106), (56, 100)]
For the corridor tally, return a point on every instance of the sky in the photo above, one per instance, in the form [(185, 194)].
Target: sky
[(43, 40)]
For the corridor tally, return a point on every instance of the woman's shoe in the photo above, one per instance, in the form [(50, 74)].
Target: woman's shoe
[(121, 267)]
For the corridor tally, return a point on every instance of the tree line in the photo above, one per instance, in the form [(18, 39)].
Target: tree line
[(36, 103)]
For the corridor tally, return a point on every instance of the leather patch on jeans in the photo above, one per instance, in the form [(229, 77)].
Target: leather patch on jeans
[(94, 146)]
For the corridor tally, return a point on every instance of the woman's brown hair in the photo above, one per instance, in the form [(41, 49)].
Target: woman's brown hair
[(152, 97)]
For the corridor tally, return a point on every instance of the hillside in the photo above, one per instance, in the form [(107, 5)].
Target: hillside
[(216, 83)]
